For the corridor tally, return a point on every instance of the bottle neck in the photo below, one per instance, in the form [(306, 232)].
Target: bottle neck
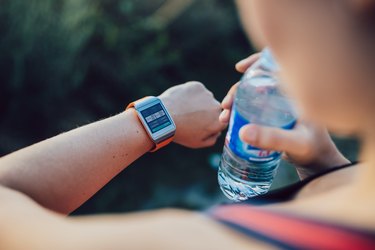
[(265, 65), (268, 62)]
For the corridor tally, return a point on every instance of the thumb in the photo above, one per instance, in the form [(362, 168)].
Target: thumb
[(270, 138)]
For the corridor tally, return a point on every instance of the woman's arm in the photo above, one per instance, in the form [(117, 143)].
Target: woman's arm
[(26, 225), (63, 172)]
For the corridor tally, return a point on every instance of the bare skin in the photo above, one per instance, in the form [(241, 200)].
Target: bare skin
[(295, 30), (63, 172), (19, 211), (325, 49), (249, 23), (308, 146)]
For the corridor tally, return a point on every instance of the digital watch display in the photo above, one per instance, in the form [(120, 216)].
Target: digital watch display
[(156, 120)]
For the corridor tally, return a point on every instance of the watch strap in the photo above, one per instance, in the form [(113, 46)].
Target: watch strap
[(157, 145), (162, 144), (132, 104)]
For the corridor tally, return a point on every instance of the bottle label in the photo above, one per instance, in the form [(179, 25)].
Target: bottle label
[(243, 150)]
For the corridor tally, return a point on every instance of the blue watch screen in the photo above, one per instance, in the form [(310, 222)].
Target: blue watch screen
[(156, 118)]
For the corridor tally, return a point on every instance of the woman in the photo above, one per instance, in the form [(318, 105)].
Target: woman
[(325, 49)]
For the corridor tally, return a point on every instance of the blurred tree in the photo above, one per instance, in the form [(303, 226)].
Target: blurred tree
[(64, 63)]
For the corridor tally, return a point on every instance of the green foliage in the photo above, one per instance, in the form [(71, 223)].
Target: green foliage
[(41, 41), (64, 63)]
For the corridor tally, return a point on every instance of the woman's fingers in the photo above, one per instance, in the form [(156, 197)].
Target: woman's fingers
[(277, 139), (243, 65), (227, 103), (228, 100), (225, 116)]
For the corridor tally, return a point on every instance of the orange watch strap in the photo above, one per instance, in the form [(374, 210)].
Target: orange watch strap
[(162, 144), (132, 104), (157, 146)]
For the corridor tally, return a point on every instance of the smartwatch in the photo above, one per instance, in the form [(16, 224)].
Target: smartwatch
[(156, 120)]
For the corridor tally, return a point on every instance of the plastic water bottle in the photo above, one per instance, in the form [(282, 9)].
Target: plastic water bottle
[(246, 171)]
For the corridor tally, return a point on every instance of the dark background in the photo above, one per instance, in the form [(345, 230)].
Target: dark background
[(66, 63)]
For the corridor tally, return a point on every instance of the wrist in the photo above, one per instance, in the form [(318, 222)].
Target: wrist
[(145, 141), (155, 119), (327, 161), (169, 105)]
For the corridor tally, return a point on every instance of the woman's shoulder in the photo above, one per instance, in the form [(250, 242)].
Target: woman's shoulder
[(328, 181), (285, 229), (324, 211)]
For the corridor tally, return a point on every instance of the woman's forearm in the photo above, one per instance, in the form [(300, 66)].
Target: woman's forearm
[(63, 172), (25, 225)]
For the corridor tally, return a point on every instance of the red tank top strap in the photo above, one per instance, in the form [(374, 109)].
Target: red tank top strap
[(292, 232)]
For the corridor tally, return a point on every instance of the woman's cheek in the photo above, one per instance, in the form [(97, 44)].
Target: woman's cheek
[(306, 94)]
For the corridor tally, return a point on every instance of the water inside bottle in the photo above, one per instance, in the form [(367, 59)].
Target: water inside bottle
[(240, 180)]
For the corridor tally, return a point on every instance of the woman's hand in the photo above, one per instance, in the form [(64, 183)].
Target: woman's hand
[(196, 114), (308, 145)]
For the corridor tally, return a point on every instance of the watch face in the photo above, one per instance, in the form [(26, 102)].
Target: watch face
[(156, 118)]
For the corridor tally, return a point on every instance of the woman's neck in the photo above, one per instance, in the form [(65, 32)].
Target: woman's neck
[(365, 180)]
